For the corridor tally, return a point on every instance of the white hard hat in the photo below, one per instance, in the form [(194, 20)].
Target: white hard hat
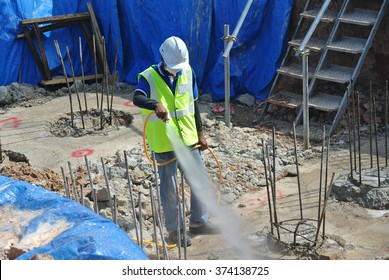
[(174, 53)]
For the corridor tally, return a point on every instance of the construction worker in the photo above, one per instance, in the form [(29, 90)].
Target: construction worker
[(169, 90)]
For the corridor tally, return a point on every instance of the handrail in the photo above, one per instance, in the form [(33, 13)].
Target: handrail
[(237, 28), (313, 26)]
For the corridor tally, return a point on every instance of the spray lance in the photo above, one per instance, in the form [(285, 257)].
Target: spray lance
[(173, 159)]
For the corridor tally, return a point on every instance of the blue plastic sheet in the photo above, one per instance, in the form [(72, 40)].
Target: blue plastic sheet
[(138, 28), (82, 234)]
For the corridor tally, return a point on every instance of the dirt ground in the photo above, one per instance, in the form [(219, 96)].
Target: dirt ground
[(351, 231)]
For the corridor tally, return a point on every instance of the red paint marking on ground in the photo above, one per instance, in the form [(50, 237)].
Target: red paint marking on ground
[(82, 153), (280, 194), (13, 121), (129, 104)]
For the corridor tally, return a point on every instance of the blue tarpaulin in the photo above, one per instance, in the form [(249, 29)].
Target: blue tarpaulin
[(48, 224), (138, 27)]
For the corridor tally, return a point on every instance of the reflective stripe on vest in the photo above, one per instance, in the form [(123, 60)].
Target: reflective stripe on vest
[(180, 107)]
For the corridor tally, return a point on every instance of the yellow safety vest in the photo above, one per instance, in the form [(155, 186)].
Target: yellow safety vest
[(179, 105)]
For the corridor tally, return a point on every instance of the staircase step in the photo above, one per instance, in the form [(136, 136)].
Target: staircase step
[(329, 15), (325, 102), (294, 70), (336, 73), (348, 45), (286, 99), (360, 17), (314, 44)]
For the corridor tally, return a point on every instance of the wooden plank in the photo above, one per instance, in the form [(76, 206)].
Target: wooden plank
[(46, 75), (98, 38), (61, 18), (34, 52), (50, 27), (62, 80)]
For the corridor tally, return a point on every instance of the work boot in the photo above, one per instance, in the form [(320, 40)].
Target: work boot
[(207, 228), (173, 239)]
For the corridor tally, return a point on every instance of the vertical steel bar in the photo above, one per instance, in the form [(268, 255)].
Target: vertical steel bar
[(94, 194), (376, 141), (154, 214), (102, 87), (108, 188), (66, 185), (359, 137), (267, 187), (386, 123), (305, 100), (115, 209), (82, 73), (1, 152), (355, 118), (321, 172), (113, 81), (158, 209), (349, 139), (129, 182), (274, 182), (183, 214), (227, 83), (66, 79), (82, 200), (95, 64), (179, 222), (326, 179), (73, 182), (297, 170), (371, 124), (75, 86), (140, 218), (322, 220)]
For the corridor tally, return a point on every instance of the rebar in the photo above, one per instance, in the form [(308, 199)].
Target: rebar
[(322, 219), (321, 171), (102, 87), (354, 114), (140, 218), (349, 136), (179, 222), (115, 209), (1, 152), (267, 187), (273, 193), (386, 123), (106, 73), (66, 79), (129, 182), (113, 81), (94, 194), (66, 186), (183, 215), (108, 188), (82, 74), (158, 210), (376, 142), (359, 137), (371, 124), (154, 214), (297, 170), (75, 86), (95, 64), (73, 181), (82, 200), (326, 178)]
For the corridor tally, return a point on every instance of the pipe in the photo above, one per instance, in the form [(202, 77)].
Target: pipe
[(237, 28)]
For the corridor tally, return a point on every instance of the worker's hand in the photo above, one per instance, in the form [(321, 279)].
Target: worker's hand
[(161, 112), (202, 141)]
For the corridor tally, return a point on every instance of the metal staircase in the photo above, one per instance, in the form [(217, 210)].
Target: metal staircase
[(337, 50)]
